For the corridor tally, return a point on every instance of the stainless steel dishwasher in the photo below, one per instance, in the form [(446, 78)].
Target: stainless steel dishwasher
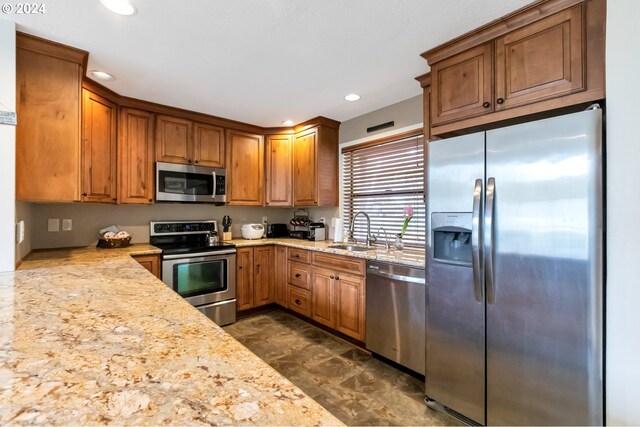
[(396, 313)]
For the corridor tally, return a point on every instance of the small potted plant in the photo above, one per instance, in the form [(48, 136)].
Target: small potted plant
[(408, 214)]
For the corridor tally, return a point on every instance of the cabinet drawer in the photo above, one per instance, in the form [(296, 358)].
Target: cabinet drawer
[(339, 262), (299, 300), (299, 275), (300, 255)]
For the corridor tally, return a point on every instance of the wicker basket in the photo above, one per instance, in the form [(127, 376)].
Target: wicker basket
[(114, 243)]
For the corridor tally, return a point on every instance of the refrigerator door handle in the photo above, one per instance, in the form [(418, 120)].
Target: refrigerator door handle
[(476, 232), (488, 239)]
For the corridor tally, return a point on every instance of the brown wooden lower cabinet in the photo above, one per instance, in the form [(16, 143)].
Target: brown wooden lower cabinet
[(323, 297), (280, 273), (150, 262), (350, 302), (254, 276)]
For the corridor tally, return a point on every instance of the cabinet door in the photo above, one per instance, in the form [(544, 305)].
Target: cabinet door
[(279, 163), (150, 262), (135, 156), (350, 296), (462, 85), (244, 278), (245, 169), (98, 149), (208, 145), (541, 60), (280, 273), (48, 130), (173, 140), (263, 283), (323, 297), (305, 174)]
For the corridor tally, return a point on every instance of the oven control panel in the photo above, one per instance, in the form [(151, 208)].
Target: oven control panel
[(160, 228)]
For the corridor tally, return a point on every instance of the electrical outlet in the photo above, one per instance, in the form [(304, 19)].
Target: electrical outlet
[(322, 220), (264, 220), (67, 225), (53, 224)]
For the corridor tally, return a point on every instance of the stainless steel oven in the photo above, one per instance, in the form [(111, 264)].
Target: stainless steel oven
[(207, 280), (190, 184), (198, 267)]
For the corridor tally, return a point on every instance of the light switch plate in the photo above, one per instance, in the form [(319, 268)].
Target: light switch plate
[(20, 232), (67, 225), (53, 224)]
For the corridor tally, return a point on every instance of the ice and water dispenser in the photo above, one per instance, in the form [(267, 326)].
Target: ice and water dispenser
[(451, 234)]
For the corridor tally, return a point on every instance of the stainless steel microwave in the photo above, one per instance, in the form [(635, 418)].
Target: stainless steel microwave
[(190, 184)]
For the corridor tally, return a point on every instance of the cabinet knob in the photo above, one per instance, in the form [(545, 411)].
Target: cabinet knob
[(114, 199), (189, 160), (337, 277), (486, 105), (297, 301), (298, 276), (500, 100), (84, 194), (296, 256), (196, 161), (151, 200), (239, 267), (332, 277)]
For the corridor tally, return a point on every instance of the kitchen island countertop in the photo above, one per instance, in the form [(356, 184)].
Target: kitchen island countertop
[(88, 336)]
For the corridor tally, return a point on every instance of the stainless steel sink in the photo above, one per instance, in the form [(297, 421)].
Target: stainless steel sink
[(356, 248)]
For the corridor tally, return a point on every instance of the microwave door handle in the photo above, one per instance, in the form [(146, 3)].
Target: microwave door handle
[(213, 196)]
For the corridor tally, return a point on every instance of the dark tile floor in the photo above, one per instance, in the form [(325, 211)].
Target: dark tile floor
[(355, 387)]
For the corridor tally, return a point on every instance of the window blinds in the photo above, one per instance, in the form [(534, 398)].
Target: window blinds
[(381, 180)]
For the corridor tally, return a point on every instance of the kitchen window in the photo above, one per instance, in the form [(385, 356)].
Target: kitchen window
[(382, 178)]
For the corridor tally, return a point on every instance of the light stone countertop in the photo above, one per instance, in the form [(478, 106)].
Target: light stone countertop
[(411, 257), (88, 336)]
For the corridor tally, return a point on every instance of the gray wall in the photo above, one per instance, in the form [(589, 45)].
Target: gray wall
[(89, 218), (404, 113)]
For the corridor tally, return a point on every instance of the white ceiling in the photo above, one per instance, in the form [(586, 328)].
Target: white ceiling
[(263, 61)]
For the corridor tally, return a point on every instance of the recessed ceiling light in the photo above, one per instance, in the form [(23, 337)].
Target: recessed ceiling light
[(288, 123), (352, 97), (121, 7), (101, 75)]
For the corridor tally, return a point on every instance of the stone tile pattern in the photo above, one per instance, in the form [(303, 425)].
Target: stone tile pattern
[(346, 380), (89, 337), (407, 257)]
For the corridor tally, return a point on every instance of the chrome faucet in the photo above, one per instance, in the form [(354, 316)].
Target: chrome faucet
[(371, 238), (386, 237)]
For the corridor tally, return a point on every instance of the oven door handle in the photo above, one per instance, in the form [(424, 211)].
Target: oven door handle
[(199, 254)]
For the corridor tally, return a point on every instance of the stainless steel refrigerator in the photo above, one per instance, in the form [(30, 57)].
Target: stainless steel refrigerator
[(514, 323)]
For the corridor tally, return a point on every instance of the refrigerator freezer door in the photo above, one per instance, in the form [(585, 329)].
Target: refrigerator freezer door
[(455, 347), (544, 304)]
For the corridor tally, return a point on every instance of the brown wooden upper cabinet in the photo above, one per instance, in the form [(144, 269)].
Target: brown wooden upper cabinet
[(245, 169), (542, 60), (315, 166), (548, 55), (98, 149), (48, 146), (135, 156), (183, 141), (463, 85), (173, 140), (208, 145), (279, 152)]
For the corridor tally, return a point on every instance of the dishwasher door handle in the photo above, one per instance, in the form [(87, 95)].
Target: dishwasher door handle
[(417, 280)]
